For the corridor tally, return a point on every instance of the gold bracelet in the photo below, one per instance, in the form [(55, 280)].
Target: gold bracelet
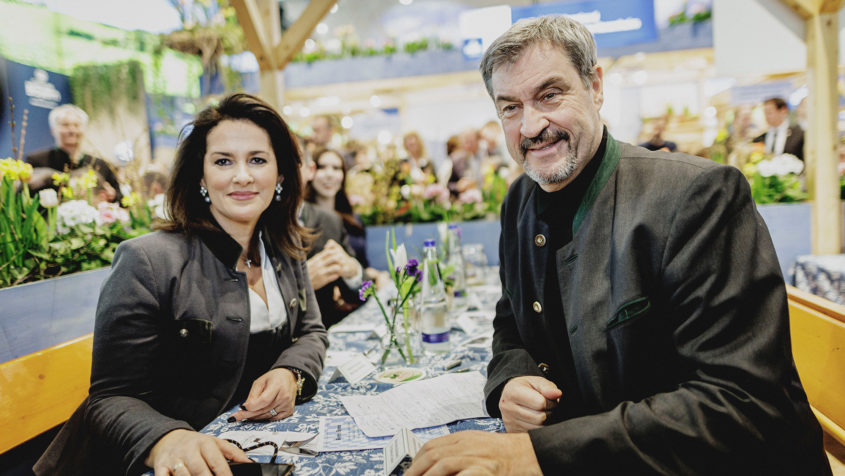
[(300, 380)]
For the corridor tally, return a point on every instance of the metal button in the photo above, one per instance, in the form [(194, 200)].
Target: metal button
[(293, 302), (183, 332), (537, 307), (540, 240), (543, 368)]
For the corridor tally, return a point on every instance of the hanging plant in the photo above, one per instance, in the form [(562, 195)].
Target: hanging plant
[(99, 87)]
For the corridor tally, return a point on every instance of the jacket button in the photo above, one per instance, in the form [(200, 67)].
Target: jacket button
[(537, 307), (183, 333), (543, 368), (293, 302), (540, 240)]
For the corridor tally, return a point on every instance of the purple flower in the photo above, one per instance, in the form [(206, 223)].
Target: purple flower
[(363, 292), (412, 268)]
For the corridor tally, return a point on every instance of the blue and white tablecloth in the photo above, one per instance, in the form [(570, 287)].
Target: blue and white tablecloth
[(325, 402), (822, 275)]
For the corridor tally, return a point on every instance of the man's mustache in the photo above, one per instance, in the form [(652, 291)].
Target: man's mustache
[(547, 136)]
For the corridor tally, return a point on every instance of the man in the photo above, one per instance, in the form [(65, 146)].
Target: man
[(67, 124), (335, 273), (781, 138), (642, 327), (656, 141)]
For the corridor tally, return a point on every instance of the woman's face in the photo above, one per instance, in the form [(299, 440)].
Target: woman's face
[(240, 173), (329, 176)]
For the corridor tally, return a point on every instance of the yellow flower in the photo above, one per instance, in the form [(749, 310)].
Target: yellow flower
[(60, 178), (9, 169), (130, 200), (67, 193), (24, 171)]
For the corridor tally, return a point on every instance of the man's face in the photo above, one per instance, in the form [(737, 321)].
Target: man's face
[(322, 131), (550, 118), (68, 133), (774, 116)]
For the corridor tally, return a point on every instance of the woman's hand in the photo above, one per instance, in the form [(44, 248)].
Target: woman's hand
[(272, 397), (186, 452)]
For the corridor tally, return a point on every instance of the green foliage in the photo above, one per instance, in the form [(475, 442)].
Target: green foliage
[(22, 232), (776, 189), (99, 87)]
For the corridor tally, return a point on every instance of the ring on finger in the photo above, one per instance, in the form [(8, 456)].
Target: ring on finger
[(178, 466), (273, 412)]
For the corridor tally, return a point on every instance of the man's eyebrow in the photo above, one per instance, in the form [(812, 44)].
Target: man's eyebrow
[(551, 81)]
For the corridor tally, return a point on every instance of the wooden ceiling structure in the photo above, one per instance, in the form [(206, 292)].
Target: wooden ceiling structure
[(263, 33)]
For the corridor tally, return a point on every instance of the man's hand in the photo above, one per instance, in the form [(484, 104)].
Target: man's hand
[(476, 452), (527, 402)]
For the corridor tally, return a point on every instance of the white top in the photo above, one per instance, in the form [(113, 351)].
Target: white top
[(263, 317)]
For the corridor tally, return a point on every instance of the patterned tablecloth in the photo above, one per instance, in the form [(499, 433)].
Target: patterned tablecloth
[(325, 403), (822, 275)]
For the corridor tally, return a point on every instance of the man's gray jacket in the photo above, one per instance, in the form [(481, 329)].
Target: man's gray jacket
[(676, 315)]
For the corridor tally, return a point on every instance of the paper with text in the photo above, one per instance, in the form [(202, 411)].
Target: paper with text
[(340, 433), (420, 404)]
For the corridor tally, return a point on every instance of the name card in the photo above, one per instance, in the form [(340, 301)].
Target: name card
[(353, 369), (400, 452)]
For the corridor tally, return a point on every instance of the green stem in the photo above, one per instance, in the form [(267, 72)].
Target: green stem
[(405, 312)]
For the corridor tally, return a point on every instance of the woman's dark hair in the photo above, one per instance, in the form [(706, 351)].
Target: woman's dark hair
[(341, 200), (188, 212)]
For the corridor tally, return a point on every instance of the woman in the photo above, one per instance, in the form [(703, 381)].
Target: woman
[(417, 167), (213, 311), (326, 190)]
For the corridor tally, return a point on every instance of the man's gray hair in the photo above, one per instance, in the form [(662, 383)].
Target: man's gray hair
[(555, 30), (58, 112)]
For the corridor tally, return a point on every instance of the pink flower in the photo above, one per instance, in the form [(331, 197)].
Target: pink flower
[(436, 192), (472, 195), (110, 213)]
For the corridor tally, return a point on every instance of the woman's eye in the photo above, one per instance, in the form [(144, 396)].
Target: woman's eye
[(222, 162), (259, 160)]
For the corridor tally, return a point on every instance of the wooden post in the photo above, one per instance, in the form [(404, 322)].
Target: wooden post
[(821, 139)]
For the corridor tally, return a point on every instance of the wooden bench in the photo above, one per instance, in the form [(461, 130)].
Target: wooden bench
[(41, 390), (818, 346)]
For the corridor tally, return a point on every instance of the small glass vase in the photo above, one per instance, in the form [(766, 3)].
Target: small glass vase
[(401, 343)]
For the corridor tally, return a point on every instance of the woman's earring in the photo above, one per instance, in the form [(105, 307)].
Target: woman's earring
[(279, 189), (204, 193)]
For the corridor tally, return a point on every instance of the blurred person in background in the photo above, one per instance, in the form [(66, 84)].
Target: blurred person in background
[(212, 311), (335, 270), (416, 165), (67, 124), (780, 138), (656, 140)]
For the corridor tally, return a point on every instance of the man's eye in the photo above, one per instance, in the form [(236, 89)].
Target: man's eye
[(509, 110), (549, 96)]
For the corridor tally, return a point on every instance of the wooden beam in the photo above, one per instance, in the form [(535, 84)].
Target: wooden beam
[(296, 35), (804, 8), (821, 137), (250, 19), (830, 6)]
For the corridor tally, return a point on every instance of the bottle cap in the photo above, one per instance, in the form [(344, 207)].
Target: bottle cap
[(428, 242)]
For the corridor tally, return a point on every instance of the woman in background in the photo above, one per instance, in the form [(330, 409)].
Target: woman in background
[(326, 190)]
